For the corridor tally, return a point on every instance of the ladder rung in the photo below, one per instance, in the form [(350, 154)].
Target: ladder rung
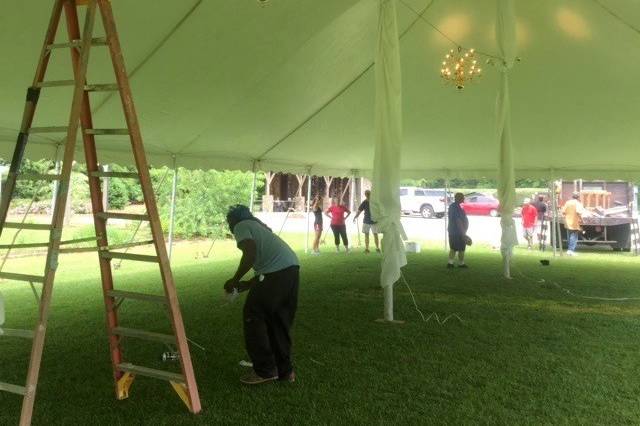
[(129, 256), (22, 277), (98, 41), (10, 332), (144, 335), (104, 248), (22, 246), (6, 387), (50, 129), (137, 296), (78, 240), (107, 131), (127, 245), (150, 372), (32, 226), (56, 83), (101, 87), (38, 176), (122, 175), (124, 216)]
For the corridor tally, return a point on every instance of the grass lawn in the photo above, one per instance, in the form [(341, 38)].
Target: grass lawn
[(526, 353)]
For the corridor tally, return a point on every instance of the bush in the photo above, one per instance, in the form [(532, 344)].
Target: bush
[(203, 198)]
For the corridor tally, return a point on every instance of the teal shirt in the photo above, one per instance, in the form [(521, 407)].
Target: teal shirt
[(272, 253)]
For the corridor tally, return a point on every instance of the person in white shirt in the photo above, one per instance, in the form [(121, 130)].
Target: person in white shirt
[(272, 301)]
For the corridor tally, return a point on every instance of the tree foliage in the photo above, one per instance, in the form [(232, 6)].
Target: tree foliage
[(203, 198)]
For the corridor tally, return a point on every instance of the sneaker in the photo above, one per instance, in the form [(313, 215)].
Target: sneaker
[(464, 265), (291, 377), (571, 253), (449, 265), (337, 249), (367, 251), (346, 249), (253, 379), (315, 253), (378, 250)]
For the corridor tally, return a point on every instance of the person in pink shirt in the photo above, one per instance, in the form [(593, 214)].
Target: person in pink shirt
[(529, 218), (338, 214)]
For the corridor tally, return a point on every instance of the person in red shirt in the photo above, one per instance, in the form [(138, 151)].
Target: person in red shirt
[(338, 213), (529, 218)]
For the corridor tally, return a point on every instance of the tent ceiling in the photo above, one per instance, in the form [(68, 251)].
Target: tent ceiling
[(221, 83)]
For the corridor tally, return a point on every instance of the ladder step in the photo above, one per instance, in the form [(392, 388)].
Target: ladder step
[(129, 256), (124, 216), (121, 175), (50, 129), (22, 277), (98, 41), (32, 226), (56, 83), (19, 390), (38, 176), (101, 88), (104, 248), (107, 131), (150, 372), (137, 296), (10, 332), (144, 335)]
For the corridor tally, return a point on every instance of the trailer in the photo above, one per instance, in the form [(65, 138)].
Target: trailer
[(612, 212)]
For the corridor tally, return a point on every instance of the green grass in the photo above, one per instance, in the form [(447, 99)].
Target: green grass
[(525, 354)]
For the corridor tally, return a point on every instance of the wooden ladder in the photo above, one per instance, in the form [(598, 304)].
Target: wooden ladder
[(80, 119)]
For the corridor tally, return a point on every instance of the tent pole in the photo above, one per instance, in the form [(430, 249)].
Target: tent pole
[(306, 243), (253, 188), (172, 213), (446, 214), (558, 231), (553, 217), (505, 30), (105, 189)]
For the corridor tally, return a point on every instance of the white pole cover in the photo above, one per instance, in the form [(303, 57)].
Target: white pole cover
[(385, 196), (506, 37)]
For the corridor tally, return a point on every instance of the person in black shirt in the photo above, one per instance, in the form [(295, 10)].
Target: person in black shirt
[(541, 207), (317, 223), (458, 226), (367, 223)]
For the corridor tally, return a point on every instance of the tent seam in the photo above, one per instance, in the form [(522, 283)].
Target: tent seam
[(340, 93)]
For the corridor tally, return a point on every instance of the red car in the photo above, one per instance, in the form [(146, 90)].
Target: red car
[(481, 204)]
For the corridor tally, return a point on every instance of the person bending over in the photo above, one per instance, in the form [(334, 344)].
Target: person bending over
[(368, 225), (337, 214), (458, 226), (271, 304)]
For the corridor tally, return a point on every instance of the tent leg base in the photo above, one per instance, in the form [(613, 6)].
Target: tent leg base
[(382, 320)]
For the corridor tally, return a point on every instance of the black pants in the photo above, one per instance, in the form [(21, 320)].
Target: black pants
[(268, 315), (340, 231)]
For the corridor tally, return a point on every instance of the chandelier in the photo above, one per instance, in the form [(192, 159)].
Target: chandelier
[(460, 68)]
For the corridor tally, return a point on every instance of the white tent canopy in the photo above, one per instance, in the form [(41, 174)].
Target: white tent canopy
[(222, 83)]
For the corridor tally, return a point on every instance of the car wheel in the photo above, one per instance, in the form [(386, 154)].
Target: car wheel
[(426, 211), (493, 213)]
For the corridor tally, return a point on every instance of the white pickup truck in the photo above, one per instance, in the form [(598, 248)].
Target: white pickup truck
[(428, 203)]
